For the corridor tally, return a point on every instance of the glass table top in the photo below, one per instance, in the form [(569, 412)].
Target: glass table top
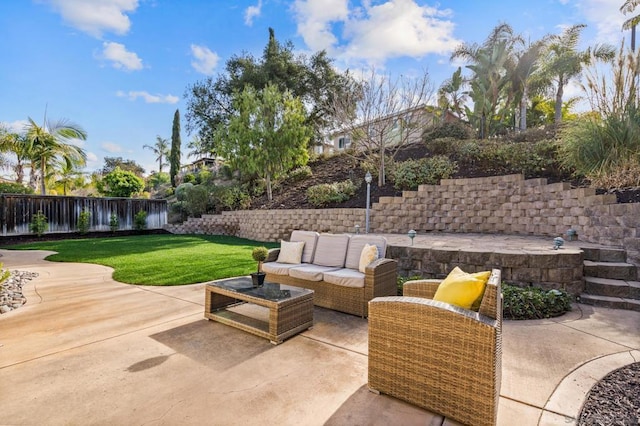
[(269, 291)]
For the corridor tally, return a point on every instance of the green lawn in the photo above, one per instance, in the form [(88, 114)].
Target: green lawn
[(159, 259)]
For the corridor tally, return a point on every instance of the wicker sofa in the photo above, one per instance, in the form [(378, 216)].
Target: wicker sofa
[(437, 356), (329, 267)]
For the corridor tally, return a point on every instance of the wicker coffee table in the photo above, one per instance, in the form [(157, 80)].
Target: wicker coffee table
[(290, 308)]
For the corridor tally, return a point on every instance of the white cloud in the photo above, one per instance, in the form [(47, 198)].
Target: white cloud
[(17, 126), (91, 157), (252, 12), (148, 98), (375, 32), (111, 148), (205, 61), (96, 17), (120, 57), (605, 15)]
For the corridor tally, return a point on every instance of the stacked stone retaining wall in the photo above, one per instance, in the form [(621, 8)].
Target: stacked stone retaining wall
[(495, 205)]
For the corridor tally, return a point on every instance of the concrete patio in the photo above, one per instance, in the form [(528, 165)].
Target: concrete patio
[(88, 350)]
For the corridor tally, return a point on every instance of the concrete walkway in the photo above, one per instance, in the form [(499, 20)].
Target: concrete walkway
[(88, 350)]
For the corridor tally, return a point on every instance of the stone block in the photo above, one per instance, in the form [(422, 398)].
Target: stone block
[(526, 275)]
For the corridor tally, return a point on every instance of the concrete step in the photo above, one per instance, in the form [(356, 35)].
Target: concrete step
[(610, 302), (611, 270), (612, 288), (604, 254)]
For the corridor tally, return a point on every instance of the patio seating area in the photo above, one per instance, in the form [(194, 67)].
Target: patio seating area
[(86, 348)]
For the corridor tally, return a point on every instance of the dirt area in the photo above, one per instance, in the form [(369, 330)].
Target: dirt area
[(292, 195)]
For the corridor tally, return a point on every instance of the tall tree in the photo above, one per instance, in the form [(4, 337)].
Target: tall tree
[(68, 175), (267, 135), (174, 157), (160, 150), (450, 94), (110, 164), (564, 62), (21, 157), (312, 79), (525, 77), (48, 144), (389, 112)]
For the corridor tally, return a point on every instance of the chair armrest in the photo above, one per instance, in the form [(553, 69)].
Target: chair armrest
[(272, 255), (381, 278), (421, 288)]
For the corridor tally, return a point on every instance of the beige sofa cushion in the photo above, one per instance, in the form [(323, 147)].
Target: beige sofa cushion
[(331, 250), (277, 268), (310, 272), (345, 277), (357, 243), (310, 239)]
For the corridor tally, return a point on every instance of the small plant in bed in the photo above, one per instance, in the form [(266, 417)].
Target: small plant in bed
[(533, 303)]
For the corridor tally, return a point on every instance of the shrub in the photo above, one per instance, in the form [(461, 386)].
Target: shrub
[(14, 188), (83, 222), (189, 178), (533, 302), (39, 224), (402, 280), (114, 222), (140, 221), (4, 274), (326, 193), (196, 200), (455, 130), (409, 174), (230, 198), (300, 173), (181, 190)]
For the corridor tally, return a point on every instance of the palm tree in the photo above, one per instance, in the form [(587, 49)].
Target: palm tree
[(68, 174), (450, 94), (47, 145), (160, 150), (628, 7), (563, 61), (19, 146), (525, 77)]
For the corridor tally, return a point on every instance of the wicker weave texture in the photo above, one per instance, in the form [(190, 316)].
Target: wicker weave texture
[(380, 280), (287, 317), (437, 356)]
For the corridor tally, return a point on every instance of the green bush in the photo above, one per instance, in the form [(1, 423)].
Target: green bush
[(455, 130), (14, 188), (182, 189), (301, 173), (533, 303), (140, 221), (402, 280), (84, 222), (230, 198), (196, 200), (326, 193), (39, 224), (407, 175), (114, 222), (189, 178)]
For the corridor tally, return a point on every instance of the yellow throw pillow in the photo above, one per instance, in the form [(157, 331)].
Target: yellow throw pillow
[(462, 289), (290, 252), (369, 254)]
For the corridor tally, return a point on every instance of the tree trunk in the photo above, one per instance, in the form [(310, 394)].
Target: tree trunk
[(558, 110), (523, 108), (43, 172), (381, 171), (268, 180)]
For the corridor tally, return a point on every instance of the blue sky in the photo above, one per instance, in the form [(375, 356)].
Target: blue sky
[(120, 68)]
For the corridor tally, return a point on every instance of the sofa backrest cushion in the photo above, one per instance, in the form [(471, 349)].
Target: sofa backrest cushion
[(331, 250), (357, 243), (310, 239)]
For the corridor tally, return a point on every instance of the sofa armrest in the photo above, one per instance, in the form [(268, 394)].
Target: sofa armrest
[(272, 255), (381, 278), (421, 288)]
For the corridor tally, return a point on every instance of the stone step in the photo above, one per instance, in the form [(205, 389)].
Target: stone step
[(610, 302), (604, 254), (612, 288), (611, 270)]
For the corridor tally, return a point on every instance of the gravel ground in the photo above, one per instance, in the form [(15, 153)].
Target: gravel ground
[(11, 296), (614, 400)]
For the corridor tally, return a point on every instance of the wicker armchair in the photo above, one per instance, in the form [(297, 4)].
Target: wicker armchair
[(437, 356)]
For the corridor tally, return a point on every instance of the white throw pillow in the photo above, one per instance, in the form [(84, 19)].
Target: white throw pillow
[(291, 252), (368, 255)]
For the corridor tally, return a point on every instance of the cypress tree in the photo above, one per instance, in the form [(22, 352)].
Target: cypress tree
[(174, 157)]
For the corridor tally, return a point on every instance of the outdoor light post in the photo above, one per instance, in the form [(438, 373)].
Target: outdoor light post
[(367, 178)]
